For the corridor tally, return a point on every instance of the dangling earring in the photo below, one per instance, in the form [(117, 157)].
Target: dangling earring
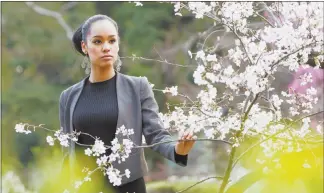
[(118, 64), (86, 64)]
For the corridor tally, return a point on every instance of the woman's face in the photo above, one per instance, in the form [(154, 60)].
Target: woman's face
[(102, 44)]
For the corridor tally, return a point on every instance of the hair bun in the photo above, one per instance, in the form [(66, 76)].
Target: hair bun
[(77, 39)]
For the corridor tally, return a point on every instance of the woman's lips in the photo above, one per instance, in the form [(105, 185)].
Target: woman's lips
[(107, 57)]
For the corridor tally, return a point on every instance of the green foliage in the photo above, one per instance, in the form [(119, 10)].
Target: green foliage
[(139, 27)]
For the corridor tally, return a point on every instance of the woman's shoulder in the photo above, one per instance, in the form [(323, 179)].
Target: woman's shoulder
[(135, 79), (75, 86), (141, 83)]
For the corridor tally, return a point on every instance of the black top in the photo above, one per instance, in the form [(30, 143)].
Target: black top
[(96, 113)]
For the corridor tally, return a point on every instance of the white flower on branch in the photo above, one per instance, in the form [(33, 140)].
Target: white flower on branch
[(177, 6), (190, 54), (125, 132), (211, 58), (137, 3), (127, 173), (178, 14), (200, 55), (198, 79), (88, 152), (276, 101), (173, 90), (63, 138), (50, 140), (199, 8), (102, 161), (306, 78), (20, 128), (114, 176), (98, 148)]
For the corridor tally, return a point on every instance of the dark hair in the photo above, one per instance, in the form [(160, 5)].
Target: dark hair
[(81, 33)]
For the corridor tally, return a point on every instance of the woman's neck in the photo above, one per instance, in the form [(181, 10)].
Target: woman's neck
[(101, 74)]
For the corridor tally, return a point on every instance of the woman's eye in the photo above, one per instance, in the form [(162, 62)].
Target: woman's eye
[(112, 41), (97, 41)]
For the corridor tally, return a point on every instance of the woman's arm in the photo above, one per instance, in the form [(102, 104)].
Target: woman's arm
[(153, 128)]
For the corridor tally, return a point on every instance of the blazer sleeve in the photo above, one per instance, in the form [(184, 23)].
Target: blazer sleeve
[(62, 124), (153, 129), (61, 111)]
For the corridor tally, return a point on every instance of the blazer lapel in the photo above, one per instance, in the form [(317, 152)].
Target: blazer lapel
[(77, 89), (119, 92), (123, 100)]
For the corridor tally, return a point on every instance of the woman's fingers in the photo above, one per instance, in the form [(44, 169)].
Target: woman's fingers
[(186, 135)]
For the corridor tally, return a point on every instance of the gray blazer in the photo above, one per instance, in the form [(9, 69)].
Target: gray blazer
[(137, 110)]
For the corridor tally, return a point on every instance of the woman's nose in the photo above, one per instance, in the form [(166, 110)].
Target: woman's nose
[(106, 47)]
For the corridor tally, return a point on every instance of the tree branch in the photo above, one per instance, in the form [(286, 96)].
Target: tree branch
[(233, 150), (217, 177), (169, 141), (284, 57), (56, 15), (154, 60)]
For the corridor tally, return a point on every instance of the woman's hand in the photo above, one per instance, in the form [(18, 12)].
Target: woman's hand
[(183, 147)]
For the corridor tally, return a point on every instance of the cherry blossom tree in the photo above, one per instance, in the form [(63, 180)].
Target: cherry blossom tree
[(289, 34)]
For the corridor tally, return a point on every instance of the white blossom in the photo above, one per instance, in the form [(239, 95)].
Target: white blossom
[(173, 90), (50, 140), (137, 3), (20, 128), (127, 173), (98, 148), (102, 160), (211, 58), (190, 54), (88, 152)]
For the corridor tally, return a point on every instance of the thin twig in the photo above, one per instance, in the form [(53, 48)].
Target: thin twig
[(216, 177), (170, 141), (161, 61), (242, 43), (286, 56)]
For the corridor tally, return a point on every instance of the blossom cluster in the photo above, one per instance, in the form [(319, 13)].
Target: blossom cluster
[(121, 148), (291, 32)]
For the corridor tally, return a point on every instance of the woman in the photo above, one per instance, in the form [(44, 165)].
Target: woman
[(107, 99)]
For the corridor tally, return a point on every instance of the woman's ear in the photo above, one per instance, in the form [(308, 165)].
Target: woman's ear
[(84, 48)]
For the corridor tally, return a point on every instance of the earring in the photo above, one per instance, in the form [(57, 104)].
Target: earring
[(85, 62), (118, 64)]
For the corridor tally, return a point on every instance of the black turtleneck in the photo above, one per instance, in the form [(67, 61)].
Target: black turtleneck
[(96, 111)]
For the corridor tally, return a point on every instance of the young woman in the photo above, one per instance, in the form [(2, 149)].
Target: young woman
[(107, 99)]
